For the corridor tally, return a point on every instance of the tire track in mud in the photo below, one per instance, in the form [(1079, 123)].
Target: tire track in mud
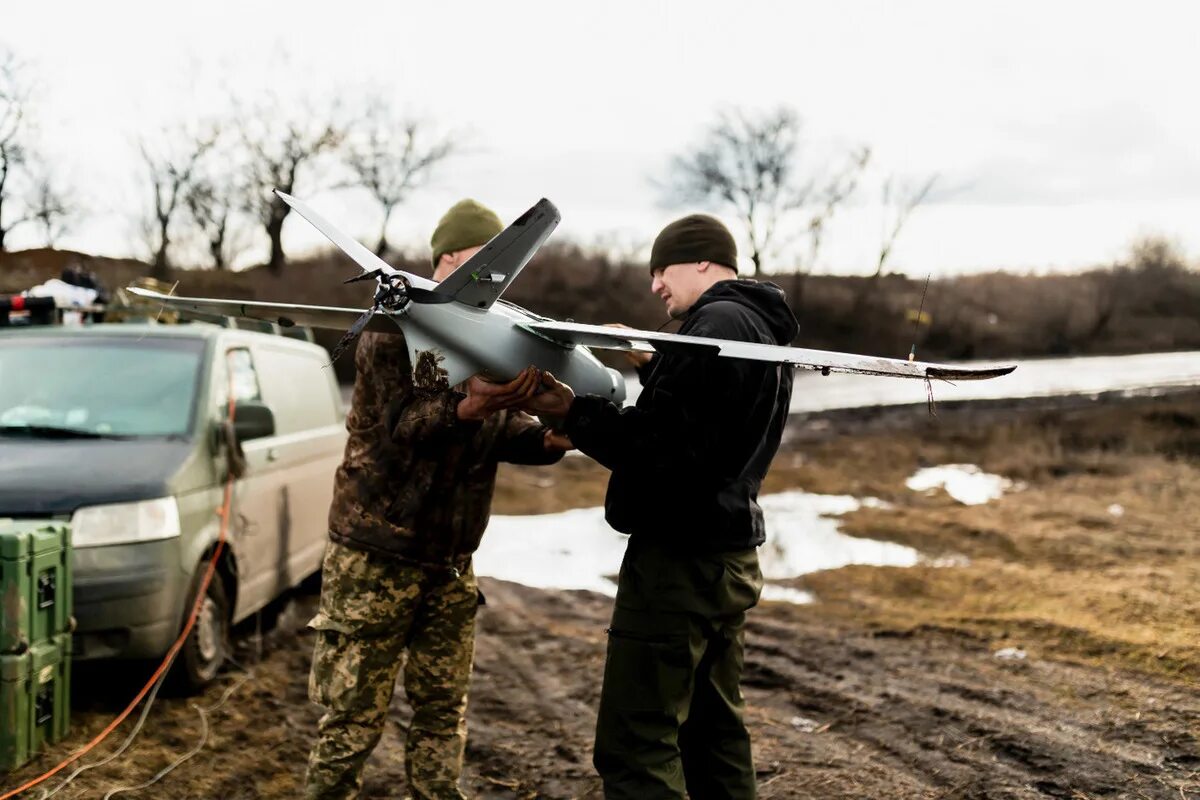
[(537, 677), (950, 720), (837, 712)]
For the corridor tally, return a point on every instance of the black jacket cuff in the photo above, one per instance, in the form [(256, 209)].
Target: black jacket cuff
[(582, 414)]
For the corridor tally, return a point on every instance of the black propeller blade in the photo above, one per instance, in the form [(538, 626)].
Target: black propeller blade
[(389, 295), (349, 336), (375, 273)]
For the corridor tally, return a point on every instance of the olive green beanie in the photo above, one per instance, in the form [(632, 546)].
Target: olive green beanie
[(466, 224), (696, 237)]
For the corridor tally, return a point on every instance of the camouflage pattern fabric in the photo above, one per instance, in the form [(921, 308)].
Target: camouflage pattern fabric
[(374, 609), (416, 482), (670, 719)]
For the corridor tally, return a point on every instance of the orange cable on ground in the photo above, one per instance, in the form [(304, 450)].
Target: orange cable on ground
[(170, 656)]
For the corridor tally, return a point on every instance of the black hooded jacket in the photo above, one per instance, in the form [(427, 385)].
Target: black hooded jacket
[(688, 460)]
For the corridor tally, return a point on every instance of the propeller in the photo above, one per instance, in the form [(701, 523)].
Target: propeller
[(393, 294), (349, 336)]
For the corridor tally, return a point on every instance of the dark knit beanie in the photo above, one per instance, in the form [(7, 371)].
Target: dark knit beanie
[(696, 237), (466, 224)]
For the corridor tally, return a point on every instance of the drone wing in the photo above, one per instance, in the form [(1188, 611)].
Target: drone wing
[(283, 314), (570, 333)]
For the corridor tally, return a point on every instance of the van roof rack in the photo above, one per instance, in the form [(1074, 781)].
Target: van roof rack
[(21, 310)]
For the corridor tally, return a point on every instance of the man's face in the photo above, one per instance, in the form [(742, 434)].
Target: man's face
[(452, 261), (678, 286)]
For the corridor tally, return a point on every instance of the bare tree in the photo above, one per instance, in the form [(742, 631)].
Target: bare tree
[(390, 157), (14, 97), (170, 170), (50, 207), (750, 164), (215, 200), (281, 149), (212, 205), (835, 190), (900, 200)]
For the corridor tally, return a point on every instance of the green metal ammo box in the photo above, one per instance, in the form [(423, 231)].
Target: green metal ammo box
[(14, 711), (35, 582), (35, 699)]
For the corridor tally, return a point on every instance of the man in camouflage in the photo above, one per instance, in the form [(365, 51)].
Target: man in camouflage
[(411, 501)]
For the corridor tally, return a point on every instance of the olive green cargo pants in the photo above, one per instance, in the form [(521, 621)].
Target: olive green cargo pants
[(670, 716), (372, 610)]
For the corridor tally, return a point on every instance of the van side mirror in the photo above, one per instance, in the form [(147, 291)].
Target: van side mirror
[(252, 420)]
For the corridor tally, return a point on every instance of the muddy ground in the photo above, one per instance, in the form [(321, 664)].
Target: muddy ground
[(888, 687)]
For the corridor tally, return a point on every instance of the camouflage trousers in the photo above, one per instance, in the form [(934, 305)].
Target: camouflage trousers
[(372, 610)]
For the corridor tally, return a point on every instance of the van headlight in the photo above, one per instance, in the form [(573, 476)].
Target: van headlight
[(125, 523)]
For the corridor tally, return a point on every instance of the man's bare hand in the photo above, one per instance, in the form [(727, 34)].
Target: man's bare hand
[(635, 357), (485, 398), (553, 399)]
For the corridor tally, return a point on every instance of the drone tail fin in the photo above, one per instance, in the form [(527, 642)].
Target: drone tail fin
[(483, 278)]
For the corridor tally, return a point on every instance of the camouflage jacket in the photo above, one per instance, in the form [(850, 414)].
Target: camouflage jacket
[(416, 482)]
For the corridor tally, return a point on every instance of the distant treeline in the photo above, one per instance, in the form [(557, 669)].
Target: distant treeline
[(1149, 302)]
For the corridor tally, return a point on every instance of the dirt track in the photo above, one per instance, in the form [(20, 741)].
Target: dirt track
[(887, 688)]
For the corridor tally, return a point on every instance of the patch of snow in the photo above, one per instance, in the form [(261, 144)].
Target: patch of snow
[(577, 550), (803, 535), (805, 725), (786, 594), (966, 483), (1010, 654), (571, 550), (1116, 510)]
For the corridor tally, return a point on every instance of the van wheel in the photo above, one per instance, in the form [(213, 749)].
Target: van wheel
[(207, 646)]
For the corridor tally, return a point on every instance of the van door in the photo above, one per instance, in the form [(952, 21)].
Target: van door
[(309, 444), (259, 518)]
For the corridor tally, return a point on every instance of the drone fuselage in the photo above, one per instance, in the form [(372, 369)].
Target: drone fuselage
[(466, 341)]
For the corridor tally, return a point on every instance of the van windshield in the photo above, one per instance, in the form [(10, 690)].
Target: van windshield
[(98, 387)]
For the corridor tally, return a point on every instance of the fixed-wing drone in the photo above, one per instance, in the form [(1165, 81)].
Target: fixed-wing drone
[(456, 328)]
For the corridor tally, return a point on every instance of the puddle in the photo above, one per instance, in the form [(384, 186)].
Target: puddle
[(576, 549), (966, 483)]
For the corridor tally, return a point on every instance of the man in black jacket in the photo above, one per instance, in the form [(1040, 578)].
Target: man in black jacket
[(687, 463)]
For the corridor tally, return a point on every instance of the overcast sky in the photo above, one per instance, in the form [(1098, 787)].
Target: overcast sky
[(1060, 131)]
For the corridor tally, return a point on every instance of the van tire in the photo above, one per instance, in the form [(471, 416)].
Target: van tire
[(208, 644)]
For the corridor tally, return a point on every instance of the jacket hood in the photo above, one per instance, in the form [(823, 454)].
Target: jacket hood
[(766, 299)]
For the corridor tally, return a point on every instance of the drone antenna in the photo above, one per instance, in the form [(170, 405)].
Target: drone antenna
[(161, 308), (912, 351)]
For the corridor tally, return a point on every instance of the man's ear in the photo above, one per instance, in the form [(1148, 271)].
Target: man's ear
[(703, 266)]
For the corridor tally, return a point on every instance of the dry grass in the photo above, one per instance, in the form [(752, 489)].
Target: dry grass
[(1051, 567)]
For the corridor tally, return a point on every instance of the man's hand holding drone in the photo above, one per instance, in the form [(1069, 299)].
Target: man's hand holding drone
[(485, 398), (553, 399)]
